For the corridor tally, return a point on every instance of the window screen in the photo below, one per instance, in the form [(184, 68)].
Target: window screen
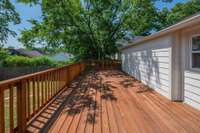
[(196, 52)]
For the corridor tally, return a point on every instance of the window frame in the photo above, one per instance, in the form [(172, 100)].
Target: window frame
[(192, 52)]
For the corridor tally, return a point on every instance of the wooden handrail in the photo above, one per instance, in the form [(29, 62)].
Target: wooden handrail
[(22, 97), (17, 79)]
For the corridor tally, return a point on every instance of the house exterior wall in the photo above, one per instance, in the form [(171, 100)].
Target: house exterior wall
[(150, 62), (164, 65), (191, 77)]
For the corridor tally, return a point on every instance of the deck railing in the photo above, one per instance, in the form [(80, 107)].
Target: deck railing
[(22, 98), (105, 64)]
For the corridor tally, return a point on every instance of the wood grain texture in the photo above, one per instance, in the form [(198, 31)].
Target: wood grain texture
[(2, 111), (109, 101), (11, 109)]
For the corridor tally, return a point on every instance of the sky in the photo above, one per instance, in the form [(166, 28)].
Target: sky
[(34, 12)]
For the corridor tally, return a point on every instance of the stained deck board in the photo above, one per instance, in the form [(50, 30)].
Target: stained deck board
[(110, 101)]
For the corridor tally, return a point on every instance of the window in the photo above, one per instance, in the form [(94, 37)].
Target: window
[(195, 52)]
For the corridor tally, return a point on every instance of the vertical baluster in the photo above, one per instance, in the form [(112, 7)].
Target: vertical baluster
[(68, 76), (34, 100), (28, 99), (61, 85), (42, 90), (60, 82), (58, 77), (55, 78), (70, 73), (62, 77), (65, 77), (11, 109), (2, 111), (21, 106), (48, 87), (80, 67), (56, 82), (38, 93), (79, 71), (46, 83), (52, 89), (75, 71)]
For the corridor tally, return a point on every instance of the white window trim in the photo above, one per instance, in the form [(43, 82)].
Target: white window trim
[(191, 52)]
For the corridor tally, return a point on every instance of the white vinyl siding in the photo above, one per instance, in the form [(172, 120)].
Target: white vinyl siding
[(150, 63), (191, 75), (192, 89)]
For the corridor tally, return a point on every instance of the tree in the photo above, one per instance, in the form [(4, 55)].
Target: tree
[(7, 15), (143, 17), (89, 28), (167, 17)]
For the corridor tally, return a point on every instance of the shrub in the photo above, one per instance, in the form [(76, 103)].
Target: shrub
[(15, 61), (41, 61), (21, 61), (3, 54)]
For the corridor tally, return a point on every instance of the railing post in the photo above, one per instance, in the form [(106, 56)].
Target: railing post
[(68, 76), (2, 117), (80, 67), (21, 107)]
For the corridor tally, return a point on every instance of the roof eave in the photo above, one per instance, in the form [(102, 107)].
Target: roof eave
[(183, 24)]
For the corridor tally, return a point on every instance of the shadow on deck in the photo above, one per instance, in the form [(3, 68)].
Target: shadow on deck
[(111, 101)]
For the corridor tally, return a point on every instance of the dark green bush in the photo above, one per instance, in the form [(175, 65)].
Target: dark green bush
[(21, 61), (3, 54), (15, 61), (41, 61)]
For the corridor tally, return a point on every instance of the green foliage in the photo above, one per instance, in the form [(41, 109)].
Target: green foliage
[(180, 11), (89, 28), (41, 61), (3, 54), (17, 61), (21, 61), (7, 15), (143, 20)]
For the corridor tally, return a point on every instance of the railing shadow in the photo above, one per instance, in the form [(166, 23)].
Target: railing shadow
[(78, 97), (45, 118)]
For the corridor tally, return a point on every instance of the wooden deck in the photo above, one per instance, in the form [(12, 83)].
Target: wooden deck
[(111, 102)]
